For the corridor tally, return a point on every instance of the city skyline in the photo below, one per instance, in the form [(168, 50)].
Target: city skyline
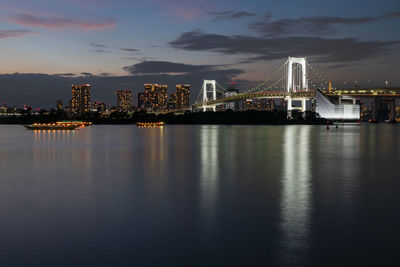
[(52, 44)]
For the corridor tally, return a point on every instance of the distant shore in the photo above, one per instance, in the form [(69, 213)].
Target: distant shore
[(214, 118)]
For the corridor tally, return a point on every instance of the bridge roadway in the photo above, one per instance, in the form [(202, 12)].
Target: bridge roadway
[(266, 94), (365, 92), (357, 92)]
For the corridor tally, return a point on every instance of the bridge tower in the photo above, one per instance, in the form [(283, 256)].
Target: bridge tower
[(296, 81), (290, 84), (209, 90)]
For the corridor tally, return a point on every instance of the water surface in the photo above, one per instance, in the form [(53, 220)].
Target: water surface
[(200, 196)]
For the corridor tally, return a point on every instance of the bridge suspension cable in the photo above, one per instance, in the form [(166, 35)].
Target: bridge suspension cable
[(268, 79)]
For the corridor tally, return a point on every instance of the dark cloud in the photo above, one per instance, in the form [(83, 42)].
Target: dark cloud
[(102, 48), (306, 26), (100, 51), (98, 45), (263, 48), (86, 74), (13, 33), (129, 49), (65, 74), (231, 14), (151, 67), (42, 90), (105, 74), (395, 14)]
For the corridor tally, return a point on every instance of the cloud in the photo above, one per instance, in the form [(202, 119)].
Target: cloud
[(312, 25), (13, 33), (129, 49), (306, 26), (65, 74), (86, 74), (152, 67), (231, 15), (263, 48), (98, 45), (102, 48), (59, 22), (395, 14)]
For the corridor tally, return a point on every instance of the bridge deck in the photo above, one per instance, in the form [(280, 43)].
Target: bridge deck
[(358, 92)]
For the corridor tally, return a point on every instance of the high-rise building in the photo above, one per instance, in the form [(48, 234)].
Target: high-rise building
[(80, 102), (141, 100), (182, 96), (124, 100), (59, 105), (155, 97), (171, 105), (232, 91)]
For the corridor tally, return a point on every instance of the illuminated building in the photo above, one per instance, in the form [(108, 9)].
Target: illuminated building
[(80, 102), (124, 100), (232, 91), (258, 104), (171, 105), (270, 105), (59, 105), (141, 100), (182, 96), (95, 106), (155, 97)]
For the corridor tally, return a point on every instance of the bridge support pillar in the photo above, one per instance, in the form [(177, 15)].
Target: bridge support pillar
[(214, 108), (303, 105), (289, 107)]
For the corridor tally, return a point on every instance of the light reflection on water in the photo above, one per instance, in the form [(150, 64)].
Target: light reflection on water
[(199, 195), (209, 176), (296, 195)]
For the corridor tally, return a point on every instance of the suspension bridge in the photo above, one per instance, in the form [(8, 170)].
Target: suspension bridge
[(295, 80)]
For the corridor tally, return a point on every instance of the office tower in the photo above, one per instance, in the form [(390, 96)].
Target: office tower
[(171, 105), (59, 105), (124, 100), (182, 96), (155, 97), (80, 102)]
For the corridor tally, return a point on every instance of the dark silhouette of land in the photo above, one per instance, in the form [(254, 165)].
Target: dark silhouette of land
[(223, 117)]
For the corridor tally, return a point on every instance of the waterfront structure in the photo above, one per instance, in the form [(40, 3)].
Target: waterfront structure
[(182, 96), (80, 102), (155, 97), (124, 100), (171, 105)]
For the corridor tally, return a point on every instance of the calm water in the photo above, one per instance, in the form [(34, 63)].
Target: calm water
[(200, 196)]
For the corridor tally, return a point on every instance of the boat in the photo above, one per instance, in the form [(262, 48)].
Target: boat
[(78, 123), (50, 126), (150, 124)]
